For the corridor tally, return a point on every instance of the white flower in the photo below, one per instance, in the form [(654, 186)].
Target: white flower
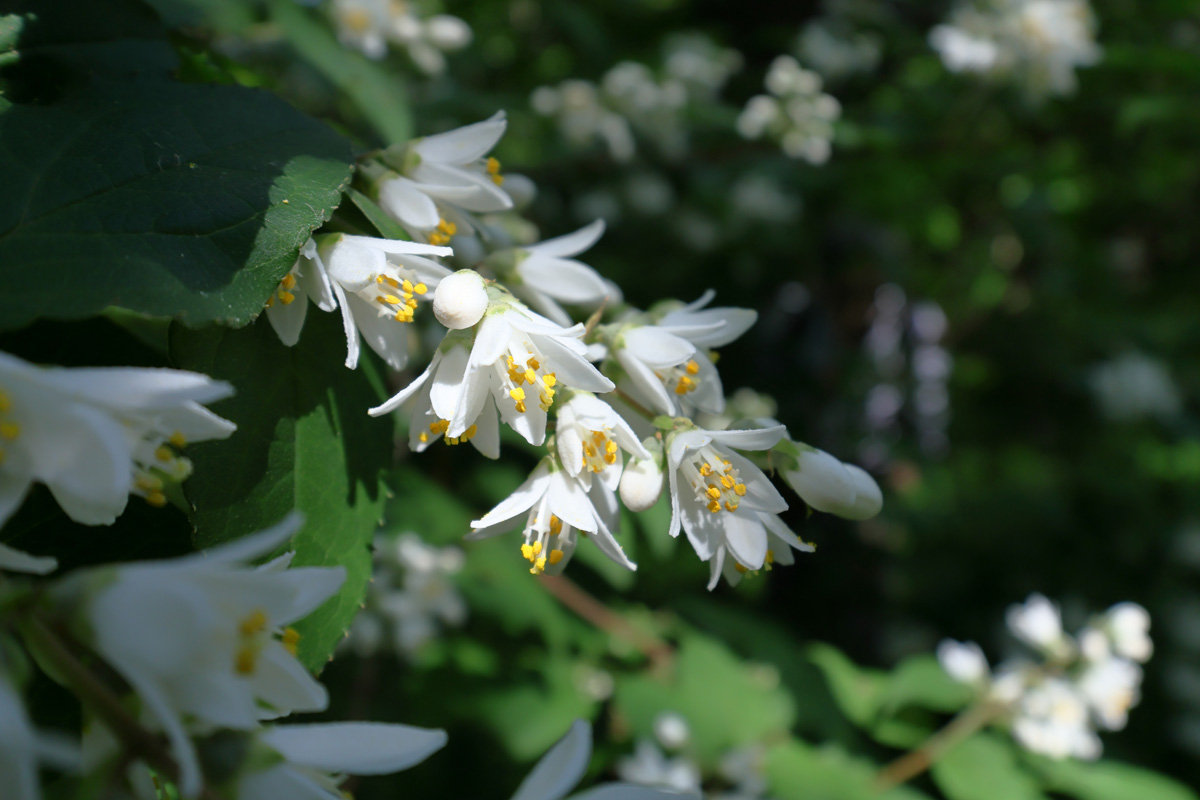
[(963, 661), (724, 502), (648, 766), (545, 274), (781, 540), (377, 284), (363, 25), (557, 506), (829, 485), (643, 479), (961, 51), (561, 768), (591, 436), (1038, 623), (205, 637), (442, 175), (666, 364), (460, 300), (22, 747), (1111, 688), (1128, 627), (799, 115), (15, 560), (1052, 719), (516, 360), (307, 280), (94, 436), (672, 730), (317, 756), (1133, 386)]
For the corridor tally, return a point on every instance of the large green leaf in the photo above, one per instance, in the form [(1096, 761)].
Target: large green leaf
[(984, 767), (797, 771), (124, 187), (1108, 780), (304, 441)]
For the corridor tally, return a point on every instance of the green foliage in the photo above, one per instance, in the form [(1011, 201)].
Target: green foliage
[(1106, 780), (304, 441), (141, 191), (984, 767), (797, 771)]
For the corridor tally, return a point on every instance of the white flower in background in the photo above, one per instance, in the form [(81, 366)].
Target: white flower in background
[(827, 484), (1128, 628), (796, 113), (1110, 689), (964, 662), (94, 436), (205, 638), (516, 361), (1039, 43), (378, 284), (14, 560), (546, 274), (836, 52), (438, 178), (672, 730), (1038, 623), (317, 757), (370, 25), (561, 768), (306, 280), (1134, 386), (743, 767), (557, 507), (1052, 719), (22, 747), (582, 117), (591, 436), (648, 766), (667, 364), (412, 595), (701, 65)]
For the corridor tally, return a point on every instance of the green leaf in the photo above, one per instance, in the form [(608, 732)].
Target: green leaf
[(387, 227), (377, 94), (797, 771), (727, 703), (984, 767), (124, 187), (304, 441), (1107, 780), (859, 692), (921, 681), (528, 716)]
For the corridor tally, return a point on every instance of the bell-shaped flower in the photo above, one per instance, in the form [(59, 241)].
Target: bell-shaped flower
[(94, 436), (591, 436), (204, 639), (378, 284), (780, 541), (288, 304), (547, 274), (827, 484), (717, 495), (436, 178), (666, 356), (563, 766), (556, 507), (516, 360), (316, 757)]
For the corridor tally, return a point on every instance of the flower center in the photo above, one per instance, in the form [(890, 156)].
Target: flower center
[(714, 479), (441, 426), (681, 379), (155, 456), (396, 294), (523, 366), (443, 233), (284, 293), (538, 549), (767, 563), (9, 430), (253, 635), (599, 450), (493, 170)]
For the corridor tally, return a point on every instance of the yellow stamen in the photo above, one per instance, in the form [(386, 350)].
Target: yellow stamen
[(178, 440), (420, 288), (246, 660), (289, 281), (714, 506), (10, 430), (493, 165), (291, 640), (164, 453), (527, 552), (285, 297), (423, 437), (156, 499), (706, 470), (740, 568), (740, 489), (556, 556), (713, 492), (692, 367), (256, 622)]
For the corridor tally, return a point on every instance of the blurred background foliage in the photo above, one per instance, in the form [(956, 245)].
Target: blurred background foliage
[(964, 299)]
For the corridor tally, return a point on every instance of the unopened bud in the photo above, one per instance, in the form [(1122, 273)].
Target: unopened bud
[(460, 299), (823, 482), (642, 481)]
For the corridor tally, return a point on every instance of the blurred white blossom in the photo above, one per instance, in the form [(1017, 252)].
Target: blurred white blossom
[(795, 113), (370, 26), (1133, 386)]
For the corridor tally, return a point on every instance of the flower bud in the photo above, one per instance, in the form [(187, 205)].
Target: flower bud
[(963, 661), (824, 483), (460, 299), (1129, 626), (642, 481), (868, 499)]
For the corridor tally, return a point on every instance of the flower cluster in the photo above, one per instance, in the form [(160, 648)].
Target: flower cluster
[(1037, 43), (370, 26), (837, 51), (796, 113), (1078, 684)]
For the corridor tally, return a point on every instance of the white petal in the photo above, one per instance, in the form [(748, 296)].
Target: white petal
[(383, 334), (491, 340), (570, 368), (15, 560), (543, 302), (401, 397), (823, 482), (462, 145), (348, 328), (247, 548), (687, 440), (657, 348), (486, 197), (395, 247), (352, 262), (570, 502), (709, 395), (84, 460), (521, 500), (313, 280), (13, 489), (487, 431), (126, 388), (645, 384), (715, 565), (869, 499), (702, 529), (761, 494), (631, 791), (571, 244), (288, 319), (570, 448), (313, 586), (561, 768), (357, 748), (777, 527), (447, 386), (403, 200), (566, 280), (280, 781), (745, 537), (736, 322), (754, 439)]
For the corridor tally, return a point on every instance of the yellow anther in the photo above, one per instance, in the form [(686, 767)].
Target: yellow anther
[(5, 403), (549, 380), (164, 453), (178, 440), (555, 525), (256, 622), (611, 447), (692, 367), (448, 228), (440, 426), (533, 363), (517, 393), (438, 238), (714, 506), (287, 298), (727, 481), (10, 430), (684, 385), (740, 568), (420, 288), (531, 376), (411, 303), (270, 301), (706, 470), (537, 548), (469, 433), (731, 506), (452, 440), (740, 489), (246, 660), (713, 492), (556, 556), (610, 458), (598, 436), (498, 180), (527, 552), (288, 281), (770, 559), (291, 640), (389, 299), (148, 483), (156, 499), (540, 563), (589, 450), (423, 437), (493, 165)]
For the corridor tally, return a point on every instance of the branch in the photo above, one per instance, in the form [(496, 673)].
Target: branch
[(912, 764), (570, 595)]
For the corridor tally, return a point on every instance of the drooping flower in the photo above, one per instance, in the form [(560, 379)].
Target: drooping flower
[(204, 639), (438, 178), (306, 280), (546, 274), (317, 756), (516, 360), (827, 484), (94, 436), (591, 436), (557, 508), (378, 284)]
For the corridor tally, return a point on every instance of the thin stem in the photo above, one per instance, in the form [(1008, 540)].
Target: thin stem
[(94, 694), (912, 764), (570, 595)]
